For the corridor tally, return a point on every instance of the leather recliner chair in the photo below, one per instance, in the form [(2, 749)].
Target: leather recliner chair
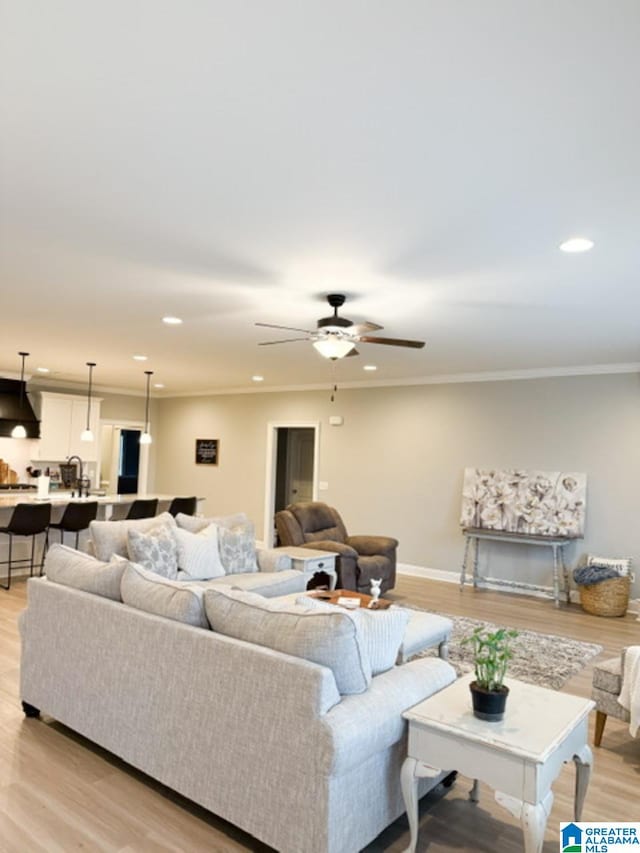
[(359, 559)]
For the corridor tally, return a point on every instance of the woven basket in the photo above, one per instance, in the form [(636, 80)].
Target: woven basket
[(607, 598)]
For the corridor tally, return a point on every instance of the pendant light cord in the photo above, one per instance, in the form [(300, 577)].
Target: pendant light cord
[(23, 355), (90, 365), (149, 374)]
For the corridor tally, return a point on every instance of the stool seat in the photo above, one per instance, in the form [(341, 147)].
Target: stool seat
[(76, 517), (28, 520)]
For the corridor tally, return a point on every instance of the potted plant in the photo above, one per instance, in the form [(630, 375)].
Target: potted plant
[(491, 656)]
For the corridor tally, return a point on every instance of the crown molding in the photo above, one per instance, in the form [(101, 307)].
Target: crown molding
[(436, 379)]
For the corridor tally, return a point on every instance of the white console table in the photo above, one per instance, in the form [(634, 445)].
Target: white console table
[(556, 543)]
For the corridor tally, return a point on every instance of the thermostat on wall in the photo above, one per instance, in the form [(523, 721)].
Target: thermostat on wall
[(336, 420)]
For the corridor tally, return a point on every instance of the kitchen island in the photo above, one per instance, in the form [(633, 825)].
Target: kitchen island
[(109, 507)]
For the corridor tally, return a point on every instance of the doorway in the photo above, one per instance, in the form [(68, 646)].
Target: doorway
[(124, 461), (292, 469)]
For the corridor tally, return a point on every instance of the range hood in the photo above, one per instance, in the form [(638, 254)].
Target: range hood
[(12, 414)]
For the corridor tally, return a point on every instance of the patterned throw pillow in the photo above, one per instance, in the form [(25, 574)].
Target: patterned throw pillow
[(622, 565), (155, 550), (238, 548)]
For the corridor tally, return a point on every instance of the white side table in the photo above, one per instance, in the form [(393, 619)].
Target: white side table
[(309, 561), (519, 757)]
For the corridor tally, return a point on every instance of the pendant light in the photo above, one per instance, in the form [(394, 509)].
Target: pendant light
[(19, 431), (86, 434), (145, 437)]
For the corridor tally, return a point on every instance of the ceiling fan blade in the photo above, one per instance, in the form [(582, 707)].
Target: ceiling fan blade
[(286, 341), (287, 328), (392, 342), (352, 352), (363, 328)]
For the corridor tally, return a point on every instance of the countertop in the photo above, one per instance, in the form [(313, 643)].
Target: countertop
[(59, 498)]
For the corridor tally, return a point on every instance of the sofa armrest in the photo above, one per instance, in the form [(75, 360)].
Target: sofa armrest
[(272, 560), (370, 546), (338, 548), (367, 723)]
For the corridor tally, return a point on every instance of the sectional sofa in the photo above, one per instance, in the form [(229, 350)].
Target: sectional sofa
[(295, 752)]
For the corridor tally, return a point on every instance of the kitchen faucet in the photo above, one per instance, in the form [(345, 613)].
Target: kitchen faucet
[(80, 479)]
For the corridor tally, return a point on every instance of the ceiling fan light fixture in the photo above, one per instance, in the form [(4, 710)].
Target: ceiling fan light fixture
[(334, 347)]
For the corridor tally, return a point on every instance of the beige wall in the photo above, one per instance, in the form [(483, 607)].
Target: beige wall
[(396, 465)]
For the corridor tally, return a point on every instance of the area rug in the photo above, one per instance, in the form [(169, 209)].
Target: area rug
[(543, 659)]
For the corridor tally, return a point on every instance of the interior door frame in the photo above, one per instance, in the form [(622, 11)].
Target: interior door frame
[(271, 465), (143, 466)]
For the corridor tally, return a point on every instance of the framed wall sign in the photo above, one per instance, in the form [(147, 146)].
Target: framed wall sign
[(206, 451)]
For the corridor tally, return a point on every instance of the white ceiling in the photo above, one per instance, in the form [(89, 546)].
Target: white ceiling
[(235, 161)]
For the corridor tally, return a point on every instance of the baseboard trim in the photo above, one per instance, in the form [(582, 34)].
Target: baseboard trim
[(454, 577)]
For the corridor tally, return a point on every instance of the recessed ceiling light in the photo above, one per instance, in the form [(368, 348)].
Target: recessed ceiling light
[(576, 244), (140, 358), (257, 378), (172, 321), (370, 367), (158, 385), (42, 369)]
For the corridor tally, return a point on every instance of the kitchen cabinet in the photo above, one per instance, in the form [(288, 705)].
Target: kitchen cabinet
[(63, 417)]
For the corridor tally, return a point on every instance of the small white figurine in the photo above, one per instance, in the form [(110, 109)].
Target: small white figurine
[(375, 591)]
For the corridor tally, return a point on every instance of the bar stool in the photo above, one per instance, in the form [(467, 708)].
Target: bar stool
[(143, 508), (26, 520), (76, 518), (187, 506)]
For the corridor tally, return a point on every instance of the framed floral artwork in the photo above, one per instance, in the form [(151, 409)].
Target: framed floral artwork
[(539, 503)]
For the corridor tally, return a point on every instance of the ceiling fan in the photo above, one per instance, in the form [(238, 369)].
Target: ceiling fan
[(336, 336)]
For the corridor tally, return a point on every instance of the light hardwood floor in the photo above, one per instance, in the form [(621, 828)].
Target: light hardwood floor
[(60, 793)]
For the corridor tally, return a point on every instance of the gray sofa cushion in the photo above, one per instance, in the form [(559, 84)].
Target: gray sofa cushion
[(329, 639), (382, 631), (172, 599), (196, 523), (268, 584), (110, 537), (72, 568)]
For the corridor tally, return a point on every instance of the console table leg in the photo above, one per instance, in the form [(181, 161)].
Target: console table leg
[(583, 761), (565, 575), (463, 572), (556, 580), (476, 551)]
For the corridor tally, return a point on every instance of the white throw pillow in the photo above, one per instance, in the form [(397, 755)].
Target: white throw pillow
[(155, 550), (381, 631), (198, 554), (330, 639), (172, 599)]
